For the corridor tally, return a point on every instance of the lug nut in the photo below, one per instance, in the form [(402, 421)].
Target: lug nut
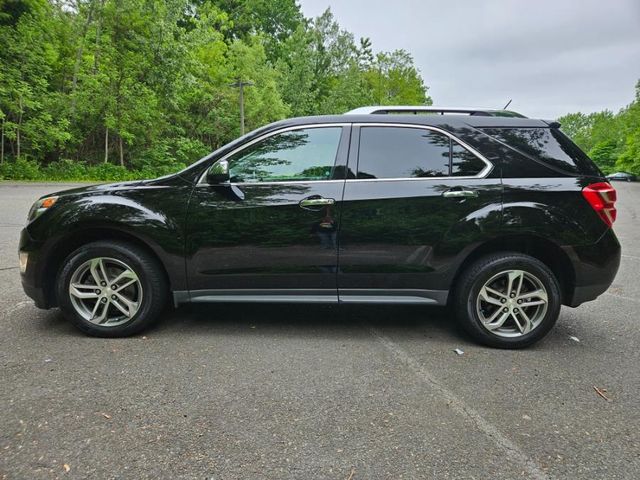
[(114, 286), (113, 297), (97, 292), (503, 300), (103, 300), (519, 302), (512, 295), (515, 310), (104, 284), (505, 310)]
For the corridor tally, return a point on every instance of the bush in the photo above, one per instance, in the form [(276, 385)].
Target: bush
[(72, 171), (65, 170), (20, 169), (109, 172)]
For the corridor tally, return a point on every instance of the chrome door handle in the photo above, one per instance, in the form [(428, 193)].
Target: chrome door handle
[(460, 193), (312, 202)]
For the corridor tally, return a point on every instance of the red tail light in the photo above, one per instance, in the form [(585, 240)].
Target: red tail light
[(602, 198)]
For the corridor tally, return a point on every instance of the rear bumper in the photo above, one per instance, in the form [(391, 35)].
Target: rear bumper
[(582, 294), (595, 268)]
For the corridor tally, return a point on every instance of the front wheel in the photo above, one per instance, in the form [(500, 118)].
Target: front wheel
[(111, 289), (507, 300)]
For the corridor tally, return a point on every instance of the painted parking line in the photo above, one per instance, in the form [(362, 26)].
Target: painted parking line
[(459, 406)]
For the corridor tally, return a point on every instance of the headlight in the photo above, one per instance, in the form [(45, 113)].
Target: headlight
[(41, 206)]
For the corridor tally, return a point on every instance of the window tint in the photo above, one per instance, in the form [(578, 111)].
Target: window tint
[(463, 162), (400, 152), (403, 152), (548, 145), (297, 155)]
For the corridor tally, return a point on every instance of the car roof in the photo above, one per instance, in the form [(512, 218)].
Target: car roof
[(453, 120)]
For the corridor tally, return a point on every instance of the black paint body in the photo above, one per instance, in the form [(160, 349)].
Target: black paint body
[(383, 240)]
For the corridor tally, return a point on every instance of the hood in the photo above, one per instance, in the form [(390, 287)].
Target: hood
[(106, 187)]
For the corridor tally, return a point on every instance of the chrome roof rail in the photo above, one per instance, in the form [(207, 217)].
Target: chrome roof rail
[(415, 109)]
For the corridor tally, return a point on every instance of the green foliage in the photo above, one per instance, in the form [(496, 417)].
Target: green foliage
[(324, 71), (604, 153), (115, 89), (70, 170), (612, 140), (20, 169)]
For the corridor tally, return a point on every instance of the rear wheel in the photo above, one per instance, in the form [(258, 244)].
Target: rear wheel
[(507, 300), (111, 289)]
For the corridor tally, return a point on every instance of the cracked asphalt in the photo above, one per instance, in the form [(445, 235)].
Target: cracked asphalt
[(318, 392)]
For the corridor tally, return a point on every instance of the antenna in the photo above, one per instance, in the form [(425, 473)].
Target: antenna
[(508, 103)]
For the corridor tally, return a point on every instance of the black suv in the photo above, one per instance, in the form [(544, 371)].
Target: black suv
[(500, 217)]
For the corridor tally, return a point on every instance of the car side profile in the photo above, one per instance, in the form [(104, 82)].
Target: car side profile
[(499, 217), (622, 176)]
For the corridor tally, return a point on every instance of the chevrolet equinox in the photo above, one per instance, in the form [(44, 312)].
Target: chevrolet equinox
[(501, 218)]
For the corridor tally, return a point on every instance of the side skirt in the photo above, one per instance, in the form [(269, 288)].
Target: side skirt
[(376, 296)]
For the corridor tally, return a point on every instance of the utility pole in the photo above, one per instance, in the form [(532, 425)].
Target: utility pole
[(240, 84)]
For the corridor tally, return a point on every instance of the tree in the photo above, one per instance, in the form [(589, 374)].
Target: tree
[(612, 140), (145, 85), (396, 81), (272, 20), (629, 159), (26, 99)]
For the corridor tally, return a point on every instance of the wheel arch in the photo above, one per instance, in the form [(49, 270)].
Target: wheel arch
[(65, 245), (540, 248)]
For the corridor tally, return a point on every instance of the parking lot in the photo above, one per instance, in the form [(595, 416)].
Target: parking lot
[(315, 392)]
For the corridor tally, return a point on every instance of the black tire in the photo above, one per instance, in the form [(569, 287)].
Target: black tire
[(471, 281), (150, 274)]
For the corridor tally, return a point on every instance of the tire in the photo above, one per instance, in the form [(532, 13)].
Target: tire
[(142, 293), (494, 273)]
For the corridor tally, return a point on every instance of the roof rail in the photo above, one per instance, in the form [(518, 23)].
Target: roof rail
[(409, 109)]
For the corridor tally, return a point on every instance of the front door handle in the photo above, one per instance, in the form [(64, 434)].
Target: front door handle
[(460, 194), (315, 202)]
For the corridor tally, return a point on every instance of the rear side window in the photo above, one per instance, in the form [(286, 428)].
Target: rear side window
[(547, 145), (404, 152)]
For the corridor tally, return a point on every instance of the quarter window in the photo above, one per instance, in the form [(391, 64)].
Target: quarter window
[(297, 155), (404, 152), (547, 145), (463, 162)]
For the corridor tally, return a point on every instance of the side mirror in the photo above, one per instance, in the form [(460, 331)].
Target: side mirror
[(218, 173)]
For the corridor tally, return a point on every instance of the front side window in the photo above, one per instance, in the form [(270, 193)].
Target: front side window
[(297, 155), (404, 152)]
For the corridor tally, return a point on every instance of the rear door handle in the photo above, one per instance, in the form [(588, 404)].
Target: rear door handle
[(315, 202), (460, 193)]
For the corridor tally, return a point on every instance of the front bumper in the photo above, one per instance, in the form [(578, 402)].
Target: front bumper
[(37, 294), (32, 277), (595, 268)]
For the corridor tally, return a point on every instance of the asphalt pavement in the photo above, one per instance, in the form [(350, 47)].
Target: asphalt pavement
[(318, 392)]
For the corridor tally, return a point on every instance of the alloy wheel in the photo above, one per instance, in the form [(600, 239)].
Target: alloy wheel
[(105, 291), (512, 303)]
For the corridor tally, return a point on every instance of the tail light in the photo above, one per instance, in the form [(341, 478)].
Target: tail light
[(602, 198)]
